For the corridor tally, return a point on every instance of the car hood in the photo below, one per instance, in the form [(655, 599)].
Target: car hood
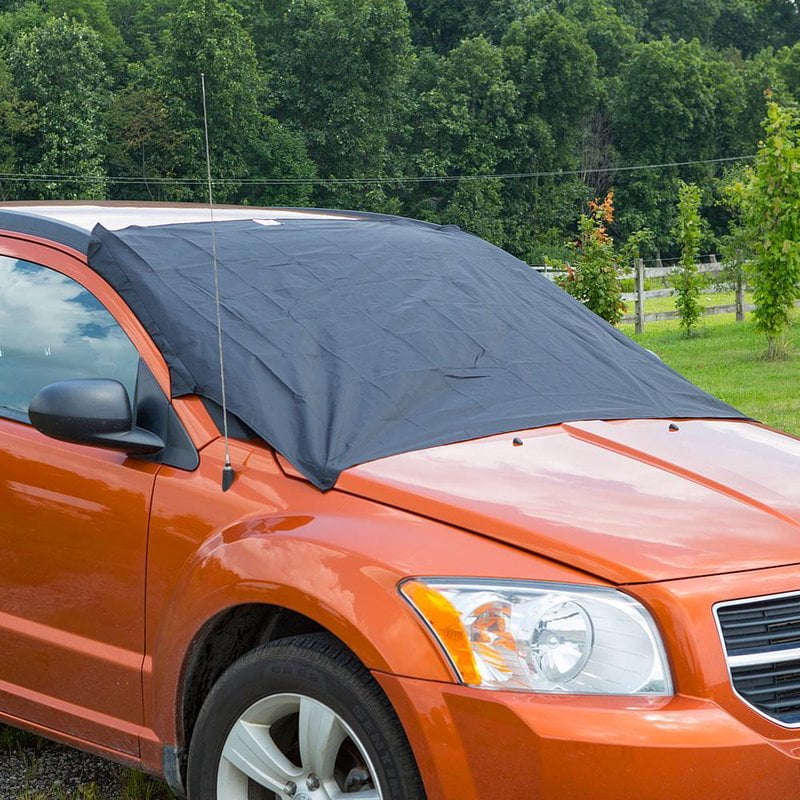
[(630, 501)]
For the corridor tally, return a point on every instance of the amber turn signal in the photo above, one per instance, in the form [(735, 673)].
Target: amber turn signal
[(444, 621)]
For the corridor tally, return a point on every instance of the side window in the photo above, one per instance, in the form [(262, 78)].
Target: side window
[(52, 329)]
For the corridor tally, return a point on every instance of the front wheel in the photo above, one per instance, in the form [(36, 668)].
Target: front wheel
[(300, 719)]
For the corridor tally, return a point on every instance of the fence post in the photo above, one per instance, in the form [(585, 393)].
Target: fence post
[(660, 265), (740, 300), (639, 295)]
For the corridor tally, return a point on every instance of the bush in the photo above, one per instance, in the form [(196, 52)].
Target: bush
[(592, 275)]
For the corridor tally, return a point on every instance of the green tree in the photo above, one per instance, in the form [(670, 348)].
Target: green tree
[(263, 20), (140, 23), (787, 65), (783, 21), (209, 37), (736, 248), (464, 122), (682, 19), (17, 119), (17, 19), (465, 118), (751, 25), (634, 12), (740, 25), (764, 71), (443, 24), (477, 207), (57, 69), (335, 88), (592, 274), (676, 102), (611, 37), (686, 280), (550, 59), (552, 64), (770, 200), (340, 75), (95, 15), (143, 142)]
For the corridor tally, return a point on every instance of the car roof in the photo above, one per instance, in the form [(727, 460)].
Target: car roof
[(71, 223)]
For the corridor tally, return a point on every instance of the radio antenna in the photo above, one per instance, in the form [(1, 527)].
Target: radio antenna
[(227, 471)]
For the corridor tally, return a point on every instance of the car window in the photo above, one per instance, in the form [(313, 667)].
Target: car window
[(52, 329)]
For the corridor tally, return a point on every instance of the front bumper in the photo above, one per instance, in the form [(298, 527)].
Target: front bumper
[(474, 744)]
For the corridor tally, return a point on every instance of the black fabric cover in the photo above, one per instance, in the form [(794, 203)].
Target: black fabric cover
[(347, 341)]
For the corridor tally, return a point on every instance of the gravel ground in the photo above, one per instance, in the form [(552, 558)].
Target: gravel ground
[(53, 770), (36, 769)]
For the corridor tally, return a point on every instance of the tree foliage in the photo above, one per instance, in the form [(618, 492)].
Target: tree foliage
[(549, 59), (592, 274), (209, 38), (560, 93), (678, 102), (770, 201), (57, 69), (466, 121), (93, 14), (611, 37), (143, 142), (443, 24), (736, 248), (17, 121), (687, 280), (340, 75), (140, 24)]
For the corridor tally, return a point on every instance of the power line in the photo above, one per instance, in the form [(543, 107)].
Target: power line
[(18, 177)]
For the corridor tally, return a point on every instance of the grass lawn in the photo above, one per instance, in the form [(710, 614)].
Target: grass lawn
[(654, 304), (726, 358)]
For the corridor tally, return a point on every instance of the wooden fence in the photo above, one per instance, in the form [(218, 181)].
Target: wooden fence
[(639, 297)]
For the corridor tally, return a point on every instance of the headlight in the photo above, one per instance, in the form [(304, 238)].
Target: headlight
[(543, 637)]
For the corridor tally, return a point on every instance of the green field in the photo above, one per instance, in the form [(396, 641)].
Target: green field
[(726, 358), (654, 304)]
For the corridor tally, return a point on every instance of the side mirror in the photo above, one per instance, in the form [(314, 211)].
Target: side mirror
[(93, 411)]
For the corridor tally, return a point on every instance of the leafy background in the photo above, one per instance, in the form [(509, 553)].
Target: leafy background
[(92, 91)]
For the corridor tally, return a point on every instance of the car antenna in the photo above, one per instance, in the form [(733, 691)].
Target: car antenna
[(227, 471)]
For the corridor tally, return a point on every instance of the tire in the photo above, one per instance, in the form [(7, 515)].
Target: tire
[(311, 683)]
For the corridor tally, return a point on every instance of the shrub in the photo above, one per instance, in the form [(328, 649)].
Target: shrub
[(592, 274)]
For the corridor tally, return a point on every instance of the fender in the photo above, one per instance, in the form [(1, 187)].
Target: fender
[(347, 594), (334, 558)]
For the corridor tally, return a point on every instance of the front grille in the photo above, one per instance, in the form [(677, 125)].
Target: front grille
[(760, 625), (762, 644), (774, 689)]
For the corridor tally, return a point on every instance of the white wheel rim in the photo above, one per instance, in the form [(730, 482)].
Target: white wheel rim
[(326, 744)]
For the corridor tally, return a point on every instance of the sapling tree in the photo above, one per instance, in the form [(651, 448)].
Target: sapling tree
[(635, 246), (770, 203), (735, 247), (687, 281)]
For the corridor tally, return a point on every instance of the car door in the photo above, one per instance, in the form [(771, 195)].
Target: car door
[(73, 519)]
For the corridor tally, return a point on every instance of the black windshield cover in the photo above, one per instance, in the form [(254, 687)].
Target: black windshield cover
[(350, 340)]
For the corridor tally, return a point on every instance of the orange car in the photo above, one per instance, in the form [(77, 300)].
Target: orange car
[(578, 609)]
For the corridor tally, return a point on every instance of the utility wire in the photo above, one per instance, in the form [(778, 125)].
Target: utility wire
[(18, 177)]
